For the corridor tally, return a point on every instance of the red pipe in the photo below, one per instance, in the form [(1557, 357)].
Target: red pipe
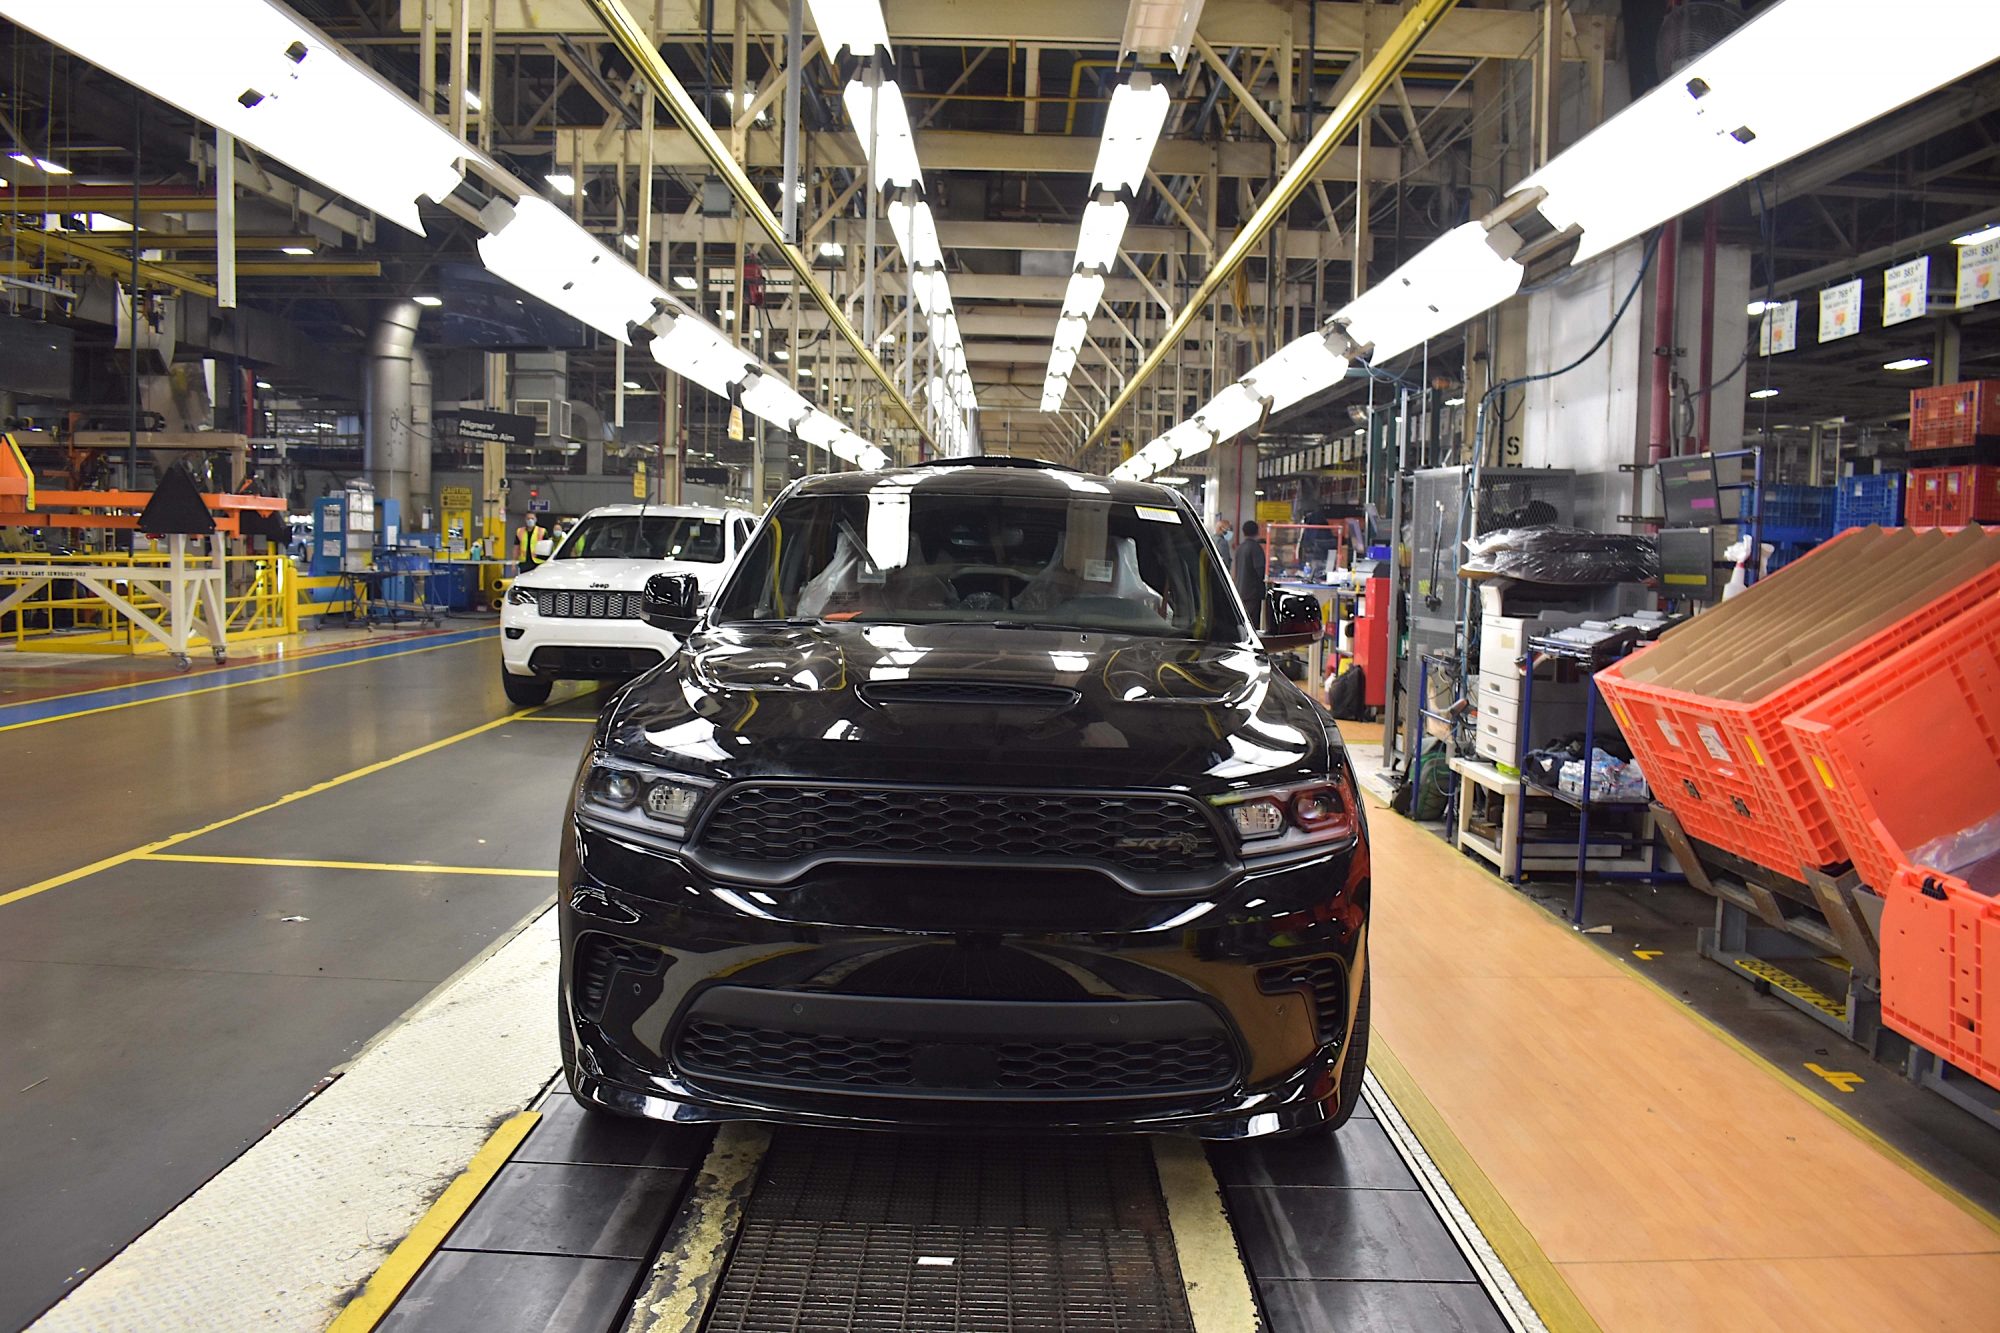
[(1665, 275), (1707, 353)]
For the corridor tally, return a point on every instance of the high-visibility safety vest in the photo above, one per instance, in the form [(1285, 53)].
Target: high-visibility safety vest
[(528, 536)]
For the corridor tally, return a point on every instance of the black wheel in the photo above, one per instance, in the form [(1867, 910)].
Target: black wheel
[(525, 690), (1355, 1065)]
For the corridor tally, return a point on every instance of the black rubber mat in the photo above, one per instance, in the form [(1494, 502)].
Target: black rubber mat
[(876, 1233)]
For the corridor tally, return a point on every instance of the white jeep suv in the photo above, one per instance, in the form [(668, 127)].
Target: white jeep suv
[(575, 616)]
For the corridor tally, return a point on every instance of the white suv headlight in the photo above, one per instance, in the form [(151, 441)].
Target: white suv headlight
[(519, 596)]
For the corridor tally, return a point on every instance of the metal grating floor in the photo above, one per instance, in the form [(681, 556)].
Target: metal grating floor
[(878, 1233)]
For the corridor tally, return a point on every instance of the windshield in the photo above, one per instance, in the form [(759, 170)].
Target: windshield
[(918, 555), (645, 537)]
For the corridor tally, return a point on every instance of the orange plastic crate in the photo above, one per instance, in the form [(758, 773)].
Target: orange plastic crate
[(1941, 969), (1926, 497), (1910, 750), (1728, 768), (1951, 416)]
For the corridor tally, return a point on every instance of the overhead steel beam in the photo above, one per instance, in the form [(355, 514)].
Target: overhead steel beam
[(1478, 34), (114, 263), (637, 47), (971, 150), (1299, 243), (1380, 71)]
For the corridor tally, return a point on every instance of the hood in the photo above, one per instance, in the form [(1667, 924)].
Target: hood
[(970, 705), (618, 575)]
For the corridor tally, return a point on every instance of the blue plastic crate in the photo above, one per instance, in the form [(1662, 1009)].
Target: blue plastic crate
[(1861, 502), (1796, 514)]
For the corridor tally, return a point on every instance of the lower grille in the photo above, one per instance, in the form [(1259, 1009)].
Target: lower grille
[(968, 692), (807, 1060), (1145, 835), (589, 605), (599, 961), (607, 662)]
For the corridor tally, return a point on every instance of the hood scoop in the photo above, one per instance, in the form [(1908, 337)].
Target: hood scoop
[(978, 693)]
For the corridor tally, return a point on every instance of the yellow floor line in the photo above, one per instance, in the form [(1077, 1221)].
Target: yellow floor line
[(231, 685), (415, 868), (587, 721), (109, 862), (1537, 1276), (1218, 1287), (400, 1268)]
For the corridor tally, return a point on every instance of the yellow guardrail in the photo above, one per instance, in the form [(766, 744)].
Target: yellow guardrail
[(259, 602)]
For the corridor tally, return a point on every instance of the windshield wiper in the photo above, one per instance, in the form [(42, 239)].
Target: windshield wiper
[(1041, 624)]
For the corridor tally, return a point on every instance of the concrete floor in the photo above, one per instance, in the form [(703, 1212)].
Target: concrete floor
[(158, 1015)]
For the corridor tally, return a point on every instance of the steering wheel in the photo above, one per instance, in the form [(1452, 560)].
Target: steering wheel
[(987, 587)]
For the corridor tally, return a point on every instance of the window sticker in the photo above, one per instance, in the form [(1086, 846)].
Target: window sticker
[(1156, 515)]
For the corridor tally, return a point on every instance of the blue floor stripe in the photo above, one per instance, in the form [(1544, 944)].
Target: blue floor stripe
[(41, 710)]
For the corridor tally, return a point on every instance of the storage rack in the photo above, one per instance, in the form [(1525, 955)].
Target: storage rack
[(1589, 660)]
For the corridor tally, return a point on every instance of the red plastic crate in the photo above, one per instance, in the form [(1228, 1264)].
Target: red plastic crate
[(1951, 497), (1920, 508), (1729, 770), (1951, 416)]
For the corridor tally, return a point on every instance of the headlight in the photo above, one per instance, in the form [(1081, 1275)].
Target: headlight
[(519, 596), (640, 800), (1279, 819)]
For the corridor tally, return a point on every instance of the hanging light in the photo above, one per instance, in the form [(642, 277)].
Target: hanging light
[(253, 68), (854, 26), (770, 399), (1462, 274), (1097, 239), (1081, 297), (1300, 368), (698, 352), (540, 249), (893, 145), (1132, 125)]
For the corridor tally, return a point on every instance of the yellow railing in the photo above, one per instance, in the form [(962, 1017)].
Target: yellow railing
[(65, 617)]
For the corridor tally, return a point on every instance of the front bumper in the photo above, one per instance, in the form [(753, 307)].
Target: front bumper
[(578, 647), (990, 1001)]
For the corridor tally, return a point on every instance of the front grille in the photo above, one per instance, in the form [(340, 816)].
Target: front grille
[(1044, 1068), (599, 961), (1154, 835), (589, 605), (560, 660), (968, 692)]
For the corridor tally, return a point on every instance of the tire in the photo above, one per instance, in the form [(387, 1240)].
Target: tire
[(1355, 1066), (525, 690)]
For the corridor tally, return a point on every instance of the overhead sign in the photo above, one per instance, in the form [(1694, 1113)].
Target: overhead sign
[(1274, 511), (1780, 329), (455, 497), (497, 427), (1978, 273), (706, 476), (1906, 291), (1840, 311)]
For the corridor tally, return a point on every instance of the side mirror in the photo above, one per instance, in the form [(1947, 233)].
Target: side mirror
[(1294, 618), (671, 602)]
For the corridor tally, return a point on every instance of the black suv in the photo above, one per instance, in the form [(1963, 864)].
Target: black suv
[(971, 800)]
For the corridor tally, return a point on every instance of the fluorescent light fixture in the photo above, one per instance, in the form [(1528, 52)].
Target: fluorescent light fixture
[(630, 240), (854, 26), (1759, 307), (781, 355), (1161, 27), (537, 247), (1980, 237), (1132, 127), (916, 233), (818, 429), (1454, 402), (263, 384), (831, 250), (472, 102), (770, 398), (1299, 369), (1062, 363), (805, 372), (1907, 363), (562, 183), (105, 222), (1236, 409), (295, 249), (930, 290), (41, 164), (429, 302), (253, 68), (1763, 393), (1460, 275), (684, 282), (1097, 239), (698, 351), (633, 385), (1052, 394), (895, 148), (1187, 439), (725, 314), (1084, 292), (1757, 99)]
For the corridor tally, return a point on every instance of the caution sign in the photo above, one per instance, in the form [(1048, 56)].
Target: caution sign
[(639, 480), (455, 497)]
